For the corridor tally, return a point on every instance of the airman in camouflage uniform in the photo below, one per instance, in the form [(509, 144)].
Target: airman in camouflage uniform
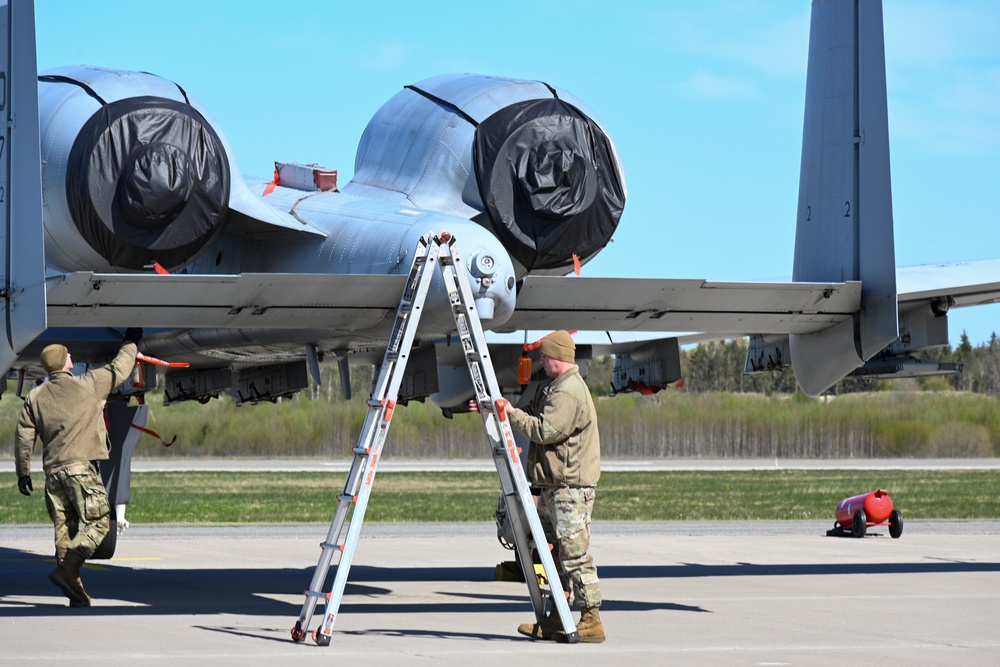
[(67, 414), (564, 463)]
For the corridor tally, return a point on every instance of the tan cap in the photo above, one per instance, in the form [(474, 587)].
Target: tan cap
[(559, 345), (54, 358)]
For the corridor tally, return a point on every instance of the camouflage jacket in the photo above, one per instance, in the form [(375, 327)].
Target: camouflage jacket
[(67, 414), (561, 423)]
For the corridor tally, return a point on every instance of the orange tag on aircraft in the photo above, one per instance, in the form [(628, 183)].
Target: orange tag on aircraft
[(576, 264), (269, 188)]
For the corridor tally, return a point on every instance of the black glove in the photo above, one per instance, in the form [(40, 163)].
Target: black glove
[(24, 485), (132, 335)]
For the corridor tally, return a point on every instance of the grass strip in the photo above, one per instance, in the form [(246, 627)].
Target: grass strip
[(281, 497)]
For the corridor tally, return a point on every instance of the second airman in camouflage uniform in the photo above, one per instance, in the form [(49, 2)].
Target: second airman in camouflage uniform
[(564, 463)]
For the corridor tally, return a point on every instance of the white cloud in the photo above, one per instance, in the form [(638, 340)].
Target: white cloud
[(708, 85), (760, 37), (933, 35), (943, 74), (383, 56)]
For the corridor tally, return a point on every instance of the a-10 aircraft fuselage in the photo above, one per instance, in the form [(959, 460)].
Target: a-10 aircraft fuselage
[(136, 172)]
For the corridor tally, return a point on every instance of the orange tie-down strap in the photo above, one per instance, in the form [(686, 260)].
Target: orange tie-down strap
[(158, 362), (154, 434)]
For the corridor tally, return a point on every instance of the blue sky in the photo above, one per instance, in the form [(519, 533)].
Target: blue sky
[(703, 99)]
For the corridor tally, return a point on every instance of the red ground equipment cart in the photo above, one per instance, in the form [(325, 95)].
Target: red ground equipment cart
[(857, 513)]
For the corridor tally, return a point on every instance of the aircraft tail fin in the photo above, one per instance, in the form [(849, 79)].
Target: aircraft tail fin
[(22, 251), (844, 228)]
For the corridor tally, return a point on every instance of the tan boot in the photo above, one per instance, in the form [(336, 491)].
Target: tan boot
[(543, 630), (67, 577), (590, 629)]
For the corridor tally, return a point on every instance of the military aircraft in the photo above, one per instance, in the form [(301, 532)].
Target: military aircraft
[(124, 207)]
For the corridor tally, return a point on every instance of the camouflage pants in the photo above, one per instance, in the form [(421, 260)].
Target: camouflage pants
[(79, 508), (565, 516)]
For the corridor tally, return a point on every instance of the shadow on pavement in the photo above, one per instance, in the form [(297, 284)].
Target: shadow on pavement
[(252, 591)]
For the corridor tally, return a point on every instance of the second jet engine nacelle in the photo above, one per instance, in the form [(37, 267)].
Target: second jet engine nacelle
[(133, 172), (524, 159)]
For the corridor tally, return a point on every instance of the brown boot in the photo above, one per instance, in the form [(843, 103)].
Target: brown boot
[(67, 577), (543, 630), (79, 590), (590, 629)]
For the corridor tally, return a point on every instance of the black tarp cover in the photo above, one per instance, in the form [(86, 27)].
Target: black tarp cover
[(147, 180), (549, 180)]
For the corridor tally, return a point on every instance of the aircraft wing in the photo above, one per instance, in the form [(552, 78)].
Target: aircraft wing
[(954, 285), (267, 300), (257, 300), (683, 305), (717, 308)]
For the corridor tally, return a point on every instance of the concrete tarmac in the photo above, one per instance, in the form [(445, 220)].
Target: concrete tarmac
[(687, 593)]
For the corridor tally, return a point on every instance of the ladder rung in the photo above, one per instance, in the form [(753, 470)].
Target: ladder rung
[(318, 594), (362, 451), (346, 498), (328, 545)]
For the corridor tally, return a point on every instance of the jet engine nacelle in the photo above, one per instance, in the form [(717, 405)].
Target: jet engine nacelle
[(133, 171), (525, 160)]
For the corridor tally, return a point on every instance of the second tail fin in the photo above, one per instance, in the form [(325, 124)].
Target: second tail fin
[(844, 228), (22, 254)]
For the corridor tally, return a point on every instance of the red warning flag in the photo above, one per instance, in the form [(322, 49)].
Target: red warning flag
[(269, 188)]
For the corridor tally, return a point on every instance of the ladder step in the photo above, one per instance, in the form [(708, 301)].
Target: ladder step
[(328, 545), (318, 594), (362, 451)]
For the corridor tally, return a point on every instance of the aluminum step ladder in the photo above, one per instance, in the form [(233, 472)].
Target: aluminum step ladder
[(434, 253)]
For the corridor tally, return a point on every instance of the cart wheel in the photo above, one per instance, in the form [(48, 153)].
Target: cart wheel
[(859, 525), (896, 523), (106, 549), (298, 634)]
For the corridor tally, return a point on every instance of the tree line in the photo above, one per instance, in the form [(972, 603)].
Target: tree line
[(717, 366)]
